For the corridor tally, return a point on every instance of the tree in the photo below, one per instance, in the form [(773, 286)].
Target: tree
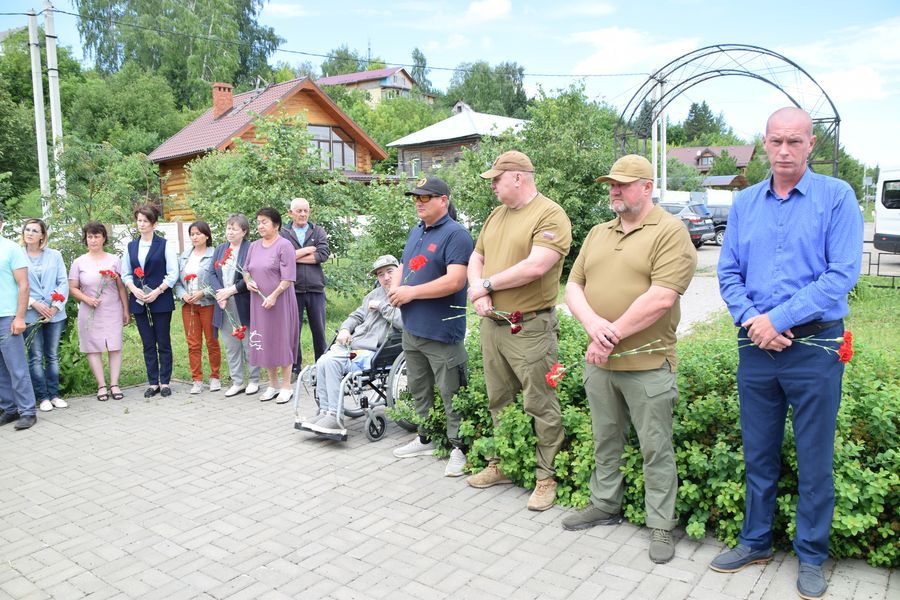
[(723, 164), (758, 167), (499, 90), (15, 69), (681, 177), (570, 141), (643, 124), (700, 120), (133, 109), (343, 60), (191, 44), (18, 149), (268, 171), (419, 71)]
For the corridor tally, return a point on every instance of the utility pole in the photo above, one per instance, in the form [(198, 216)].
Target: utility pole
[(55, 111), (663, 168), (40, 126), (654, 142)]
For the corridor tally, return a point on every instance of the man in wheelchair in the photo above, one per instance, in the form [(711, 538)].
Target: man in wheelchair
[(358, 338)]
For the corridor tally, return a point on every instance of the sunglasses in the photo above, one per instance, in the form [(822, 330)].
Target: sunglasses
[(423, 199)]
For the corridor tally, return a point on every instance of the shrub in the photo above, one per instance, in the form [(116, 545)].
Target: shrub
[(707, 441)]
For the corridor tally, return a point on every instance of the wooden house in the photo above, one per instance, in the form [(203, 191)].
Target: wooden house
[(343, 145), (702, 157), (381, 84)]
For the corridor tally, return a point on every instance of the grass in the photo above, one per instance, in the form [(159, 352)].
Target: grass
[(871, 310), (134, 373)]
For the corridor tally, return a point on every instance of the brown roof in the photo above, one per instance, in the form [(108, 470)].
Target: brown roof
[(691, 155), (205, 134)]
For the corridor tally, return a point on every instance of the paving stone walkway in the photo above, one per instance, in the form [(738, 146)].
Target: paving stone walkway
[(213, 497)]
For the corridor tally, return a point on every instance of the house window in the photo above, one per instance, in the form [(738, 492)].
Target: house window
[(706, 161), (337, 149)]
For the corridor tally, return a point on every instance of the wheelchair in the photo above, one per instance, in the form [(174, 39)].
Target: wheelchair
[(364, 393)]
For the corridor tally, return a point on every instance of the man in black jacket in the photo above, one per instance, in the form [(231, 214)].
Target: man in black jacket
[(310, 251)]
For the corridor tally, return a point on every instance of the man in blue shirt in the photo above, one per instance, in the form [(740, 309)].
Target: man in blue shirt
[(431, 282), (16, 394), (791, 255)]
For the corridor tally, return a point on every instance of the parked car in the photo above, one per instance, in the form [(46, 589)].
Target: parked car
[(696, 218), (720, 221)]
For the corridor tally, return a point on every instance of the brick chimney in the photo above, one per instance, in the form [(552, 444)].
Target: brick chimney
[(223, 99)]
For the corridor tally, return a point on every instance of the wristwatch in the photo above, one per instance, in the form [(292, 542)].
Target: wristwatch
[(487, 285)]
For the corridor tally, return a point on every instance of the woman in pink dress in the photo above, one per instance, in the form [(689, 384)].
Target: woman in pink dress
[(95, 281), (270, 271)]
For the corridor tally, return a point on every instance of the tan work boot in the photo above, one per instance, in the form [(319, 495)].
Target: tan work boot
[(491, 475), (544, 495)]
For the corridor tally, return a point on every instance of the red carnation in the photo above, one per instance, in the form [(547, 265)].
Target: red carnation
[(848, 337), (139, 272), (515, 317), (417, 262), (432, 247), (515, 329), (190, 277), (555, 375), (845, 352), (57, 297)]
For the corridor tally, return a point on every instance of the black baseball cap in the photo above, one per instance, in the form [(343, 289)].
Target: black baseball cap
[(430, 186)]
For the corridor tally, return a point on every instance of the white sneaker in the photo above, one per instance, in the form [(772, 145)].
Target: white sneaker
[(268, 394), (59, 403), (46, 406), (214, 384), (308, 423), (234, 390), (197, 387), (284, 396), (252, 388), (414, 448), (327, 424), (456, 464)]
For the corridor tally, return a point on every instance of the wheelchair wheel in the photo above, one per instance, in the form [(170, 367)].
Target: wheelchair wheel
[(396, 386), (375, 427), (351, 391)]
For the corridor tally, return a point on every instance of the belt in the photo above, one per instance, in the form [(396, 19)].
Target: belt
[(525, 316), (812, 328)]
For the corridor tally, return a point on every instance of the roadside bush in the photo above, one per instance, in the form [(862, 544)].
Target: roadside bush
[(707, 440)]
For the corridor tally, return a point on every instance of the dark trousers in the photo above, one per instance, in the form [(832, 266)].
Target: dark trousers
[(157, 346), (313, 303), (808, 379)]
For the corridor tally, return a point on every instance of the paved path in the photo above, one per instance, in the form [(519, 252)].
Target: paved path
[(213, 497)]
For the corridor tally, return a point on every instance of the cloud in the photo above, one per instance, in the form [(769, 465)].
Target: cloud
[(619, 50), (285, 10), (488, 10), (586, 9)]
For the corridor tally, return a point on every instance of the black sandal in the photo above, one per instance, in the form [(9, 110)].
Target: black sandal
[(102, 397), (116, 395)]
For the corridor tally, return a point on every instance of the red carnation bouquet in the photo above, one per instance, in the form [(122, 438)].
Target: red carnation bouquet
[(106, 275), (844, 351), (230, 259), (556, 373), (513, 318), (54, 297)]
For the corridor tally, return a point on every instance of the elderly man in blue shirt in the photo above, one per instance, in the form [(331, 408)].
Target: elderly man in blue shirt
[(791, 255)]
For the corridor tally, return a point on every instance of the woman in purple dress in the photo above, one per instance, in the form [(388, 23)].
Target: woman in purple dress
[(95, 281), (270, 271)]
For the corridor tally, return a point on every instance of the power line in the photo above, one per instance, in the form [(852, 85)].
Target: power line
[(313, 54)]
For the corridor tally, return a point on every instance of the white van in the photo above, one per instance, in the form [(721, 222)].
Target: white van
[(887, 211)]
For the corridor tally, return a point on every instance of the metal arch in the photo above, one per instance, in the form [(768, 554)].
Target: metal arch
[(828, 121)]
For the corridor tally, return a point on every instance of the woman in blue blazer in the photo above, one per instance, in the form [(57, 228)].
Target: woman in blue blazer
[(149, 271)]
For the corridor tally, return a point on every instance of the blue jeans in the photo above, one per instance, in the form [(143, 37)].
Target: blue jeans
[(16, 395), (43, 359)]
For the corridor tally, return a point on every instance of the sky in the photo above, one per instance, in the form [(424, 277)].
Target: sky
[(848, 49)]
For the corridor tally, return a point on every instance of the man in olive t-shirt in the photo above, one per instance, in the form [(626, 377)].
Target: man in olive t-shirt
[(516, 267), (624, 288)]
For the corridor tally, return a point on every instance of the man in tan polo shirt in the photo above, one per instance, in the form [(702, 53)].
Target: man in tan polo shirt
[(515, 267), (624, 288)]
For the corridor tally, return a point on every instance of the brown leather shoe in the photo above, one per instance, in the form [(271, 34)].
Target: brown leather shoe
[(544, 495)]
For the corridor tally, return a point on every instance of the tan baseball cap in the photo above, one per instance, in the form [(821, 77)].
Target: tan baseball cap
[(630, 167), (509, 161)]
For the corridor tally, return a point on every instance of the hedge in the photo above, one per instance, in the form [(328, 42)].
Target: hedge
[(707, 440)]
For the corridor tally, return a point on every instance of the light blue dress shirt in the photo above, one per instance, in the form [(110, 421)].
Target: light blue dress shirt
[(795, 258)]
